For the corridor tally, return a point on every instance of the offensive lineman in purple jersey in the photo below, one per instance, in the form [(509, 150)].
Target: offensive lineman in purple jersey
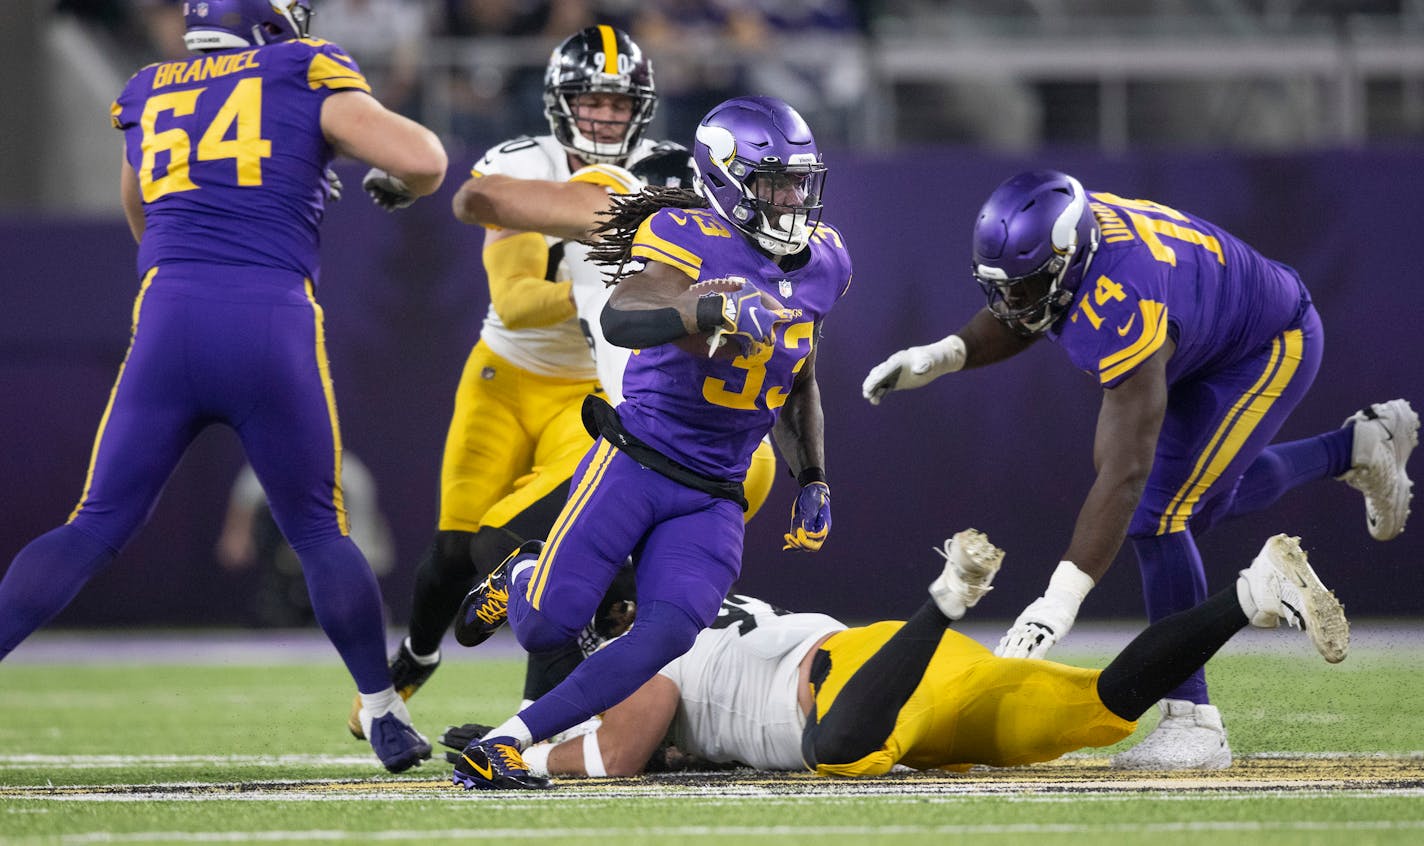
[(724, 315), (223, 187), (1203, 347)]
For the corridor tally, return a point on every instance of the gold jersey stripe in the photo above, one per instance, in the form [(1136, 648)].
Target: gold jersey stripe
[(646, 252), (323, 71), (1154, 333), (323, 365), (113, 392), (649, 245), (602, 458), (1245, 414)]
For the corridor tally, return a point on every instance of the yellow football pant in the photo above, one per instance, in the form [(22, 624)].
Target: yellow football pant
[(516, 436), (972, 707)]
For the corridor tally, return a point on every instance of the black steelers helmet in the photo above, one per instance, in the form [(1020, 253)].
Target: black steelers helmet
[(668, 165), (598, 59)]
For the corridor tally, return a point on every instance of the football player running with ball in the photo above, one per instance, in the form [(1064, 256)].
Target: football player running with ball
[(516, 434), (1203, 347), (723, 293)]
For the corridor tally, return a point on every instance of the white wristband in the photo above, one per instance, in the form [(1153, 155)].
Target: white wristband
[(536, 758), (1072, 581), (949, 354), (593, 756)]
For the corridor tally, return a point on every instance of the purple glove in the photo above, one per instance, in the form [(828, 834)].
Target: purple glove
[(810, 518), (750, 319)]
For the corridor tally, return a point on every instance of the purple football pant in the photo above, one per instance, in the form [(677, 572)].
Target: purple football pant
[(243, 347), (1214, 460), (688, 545)]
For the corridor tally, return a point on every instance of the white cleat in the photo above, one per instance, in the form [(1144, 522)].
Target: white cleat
[(1385, 434), (970, 562), (1280, 585), (1189, 737)]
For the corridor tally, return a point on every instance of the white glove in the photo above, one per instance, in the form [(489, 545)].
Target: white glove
[(332, 187), (913, 368), (387, 191), (1047, 619)]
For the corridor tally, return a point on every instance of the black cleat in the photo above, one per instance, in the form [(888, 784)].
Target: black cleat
[(495, 764), (486, 608)]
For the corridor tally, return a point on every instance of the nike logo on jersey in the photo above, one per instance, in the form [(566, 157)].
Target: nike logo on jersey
[(1126, 327), (680, 220)]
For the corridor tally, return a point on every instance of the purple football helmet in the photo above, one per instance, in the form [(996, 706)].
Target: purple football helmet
[(599, 59), (225, 24), (758, 167), (1033, 241)]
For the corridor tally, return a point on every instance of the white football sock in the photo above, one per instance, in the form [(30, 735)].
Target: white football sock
[(515, 728), (422, 660), (378, 704)]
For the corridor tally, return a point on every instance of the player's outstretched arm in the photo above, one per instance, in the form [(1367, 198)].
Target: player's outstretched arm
[(357, 125), (983, 340), (1123, 449), (562, 209), (630, 733), (567, 210)]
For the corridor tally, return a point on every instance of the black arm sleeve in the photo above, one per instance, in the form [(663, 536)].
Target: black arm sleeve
[(641, 328)]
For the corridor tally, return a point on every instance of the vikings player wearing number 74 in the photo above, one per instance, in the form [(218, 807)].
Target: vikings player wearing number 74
[(1203, 347), (224, 187)]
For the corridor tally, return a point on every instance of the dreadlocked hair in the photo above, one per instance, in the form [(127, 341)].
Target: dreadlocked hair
[(612, 241)]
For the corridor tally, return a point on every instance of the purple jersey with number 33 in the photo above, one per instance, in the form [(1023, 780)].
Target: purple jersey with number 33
[(710, 413)]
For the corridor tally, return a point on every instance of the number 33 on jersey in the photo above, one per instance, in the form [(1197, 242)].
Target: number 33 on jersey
[(698, 243)]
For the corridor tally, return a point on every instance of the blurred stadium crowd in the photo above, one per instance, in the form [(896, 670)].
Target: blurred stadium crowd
[(1012, 74), (1004, 75)]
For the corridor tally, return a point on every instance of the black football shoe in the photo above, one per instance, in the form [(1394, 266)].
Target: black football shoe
[(495, 764)]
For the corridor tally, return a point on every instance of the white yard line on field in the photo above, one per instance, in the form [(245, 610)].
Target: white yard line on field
[(27, 761), (104, 762), (619, 833), (1399, 638)]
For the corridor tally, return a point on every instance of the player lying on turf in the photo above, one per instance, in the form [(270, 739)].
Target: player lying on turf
[(780, 691)]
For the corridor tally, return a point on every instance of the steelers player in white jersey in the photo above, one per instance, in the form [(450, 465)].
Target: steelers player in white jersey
[(516, 434), (772, 690)]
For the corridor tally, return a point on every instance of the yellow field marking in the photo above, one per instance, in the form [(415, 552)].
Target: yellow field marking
[(1073, 776)]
